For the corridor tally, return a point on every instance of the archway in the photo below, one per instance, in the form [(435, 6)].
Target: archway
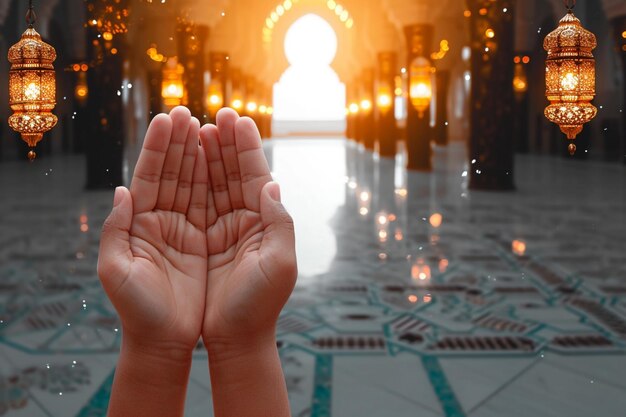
[(309, 96)]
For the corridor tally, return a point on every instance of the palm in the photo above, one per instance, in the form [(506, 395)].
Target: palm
[(157, 281), (243, 292)]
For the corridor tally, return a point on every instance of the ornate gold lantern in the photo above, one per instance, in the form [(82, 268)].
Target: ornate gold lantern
[(32, 85), (570, 76), (173, 88), (420, 84)]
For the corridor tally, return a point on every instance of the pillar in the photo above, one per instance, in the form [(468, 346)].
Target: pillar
[(367, 115), (218, 64), (520, 115), (491, 100), (104, 148), (191, 39), (442, 80), (235, 90), (418, 131), (619, 34), (386, 131)]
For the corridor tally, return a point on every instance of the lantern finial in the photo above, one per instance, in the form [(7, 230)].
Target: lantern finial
[(570, 75)]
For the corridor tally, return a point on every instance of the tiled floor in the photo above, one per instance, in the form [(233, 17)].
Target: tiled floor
[(416, 296)]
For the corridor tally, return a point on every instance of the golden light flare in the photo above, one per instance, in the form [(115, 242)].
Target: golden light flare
[(272, 19)]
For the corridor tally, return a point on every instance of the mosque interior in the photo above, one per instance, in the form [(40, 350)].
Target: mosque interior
[(459, 255)]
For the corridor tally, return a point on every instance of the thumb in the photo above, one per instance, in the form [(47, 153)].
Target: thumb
[(278, 251), (115, 256)]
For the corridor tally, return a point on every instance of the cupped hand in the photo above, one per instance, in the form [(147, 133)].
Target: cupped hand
[(249, 234), (153, 254)]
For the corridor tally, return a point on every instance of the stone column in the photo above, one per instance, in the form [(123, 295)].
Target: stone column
[(104, 149), (191, 40), (619, 34), (386, 131), (491, 100), (418, 131), (367, 115), (521, 105), (442, 78), (218, 63)]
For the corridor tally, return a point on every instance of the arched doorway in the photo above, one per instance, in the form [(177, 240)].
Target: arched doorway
[(309, 98)]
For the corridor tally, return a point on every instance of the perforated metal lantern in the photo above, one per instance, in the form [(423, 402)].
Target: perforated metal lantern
[(32, 88), (570, 76)]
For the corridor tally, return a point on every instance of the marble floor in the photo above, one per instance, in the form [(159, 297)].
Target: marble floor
[(416, 296)]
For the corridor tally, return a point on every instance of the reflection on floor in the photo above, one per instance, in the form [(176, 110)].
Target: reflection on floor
[(416, 296)]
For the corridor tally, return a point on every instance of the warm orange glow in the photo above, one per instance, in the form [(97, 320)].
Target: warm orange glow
[(402, 192), (366, 105), (518, 247), (107, 36), (384, 101), (237, 104), (420, 271), (81, 91), (84, 228), (490, 33), (435, 220), (427, 298), (443, 265), (467, 13), (353, 108), (412, 298), (420, 84), (172, 88), (251, 107)]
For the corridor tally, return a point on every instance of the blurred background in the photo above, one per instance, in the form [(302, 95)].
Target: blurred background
[(454, 258)]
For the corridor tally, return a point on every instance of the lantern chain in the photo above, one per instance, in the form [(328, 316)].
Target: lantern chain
[(31, 16), (570, 4)]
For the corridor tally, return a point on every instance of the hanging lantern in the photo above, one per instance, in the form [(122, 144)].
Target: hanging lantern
[(384, 100), (215, 98), (81, 91), (520, 79), (570, 76), (420, 84), (172, 88), (32, 85)]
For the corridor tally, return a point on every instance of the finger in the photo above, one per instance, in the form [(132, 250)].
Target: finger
[(185, 179), (277, 251), (255, 171), (115, 256), (181, 118), (197, 213), (226, 119), (144, 187), (217, 175)]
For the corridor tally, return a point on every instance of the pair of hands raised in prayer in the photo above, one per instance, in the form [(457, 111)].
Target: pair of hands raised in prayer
[(200, 246)]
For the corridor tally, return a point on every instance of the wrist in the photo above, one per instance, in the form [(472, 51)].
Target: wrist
[(226, 349), (145, 362)]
